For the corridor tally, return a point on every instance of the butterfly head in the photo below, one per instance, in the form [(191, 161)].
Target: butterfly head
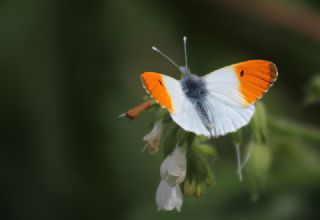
[(183, 69)]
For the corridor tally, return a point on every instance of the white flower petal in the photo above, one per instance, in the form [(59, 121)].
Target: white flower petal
[(152, 139), (173, 171), (168, 197), (175, 164)]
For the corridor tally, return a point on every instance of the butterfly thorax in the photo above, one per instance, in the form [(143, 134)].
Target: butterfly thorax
[(195, 90), (193, 87)]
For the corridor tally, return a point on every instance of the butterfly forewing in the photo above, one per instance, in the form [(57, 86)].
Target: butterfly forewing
[(255, 78), (164, 89), (241, 84)]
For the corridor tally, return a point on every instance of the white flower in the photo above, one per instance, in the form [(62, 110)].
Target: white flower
[(173, 172), (152, 139), (175, 165), (168, 197)]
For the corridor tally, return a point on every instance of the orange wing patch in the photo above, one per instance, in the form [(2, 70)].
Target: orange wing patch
[(255, 77), (155, 86)]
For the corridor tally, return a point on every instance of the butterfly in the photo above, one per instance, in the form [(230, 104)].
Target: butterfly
[(214, 104)]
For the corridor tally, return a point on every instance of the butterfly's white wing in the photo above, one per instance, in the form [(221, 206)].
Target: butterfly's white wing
[(224, 85), (168, 93), (226, 118), (232, 91), (189, 119), (223, 117)]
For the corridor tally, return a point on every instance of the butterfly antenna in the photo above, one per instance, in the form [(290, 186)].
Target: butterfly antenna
[(185, 51), (165, 56)]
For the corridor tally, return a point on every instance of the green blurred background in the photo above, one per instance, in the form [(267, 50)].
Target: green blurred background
[(69, 68)]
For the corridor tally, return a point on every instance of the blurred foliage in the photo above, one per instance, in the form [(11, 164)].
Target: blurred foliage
[(68, 68), (313, 90)]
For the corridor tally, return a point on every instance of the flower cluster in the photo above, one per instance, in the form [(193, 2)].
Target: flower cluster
[(186, 168)]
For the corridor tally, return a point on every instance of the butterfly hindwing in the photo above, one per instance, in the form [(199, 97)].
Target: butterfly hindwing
[(189, 119), (226, 118)]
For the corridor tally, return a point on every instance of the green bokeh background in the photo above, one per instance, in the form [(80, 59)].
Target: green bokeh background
[(69, 68)]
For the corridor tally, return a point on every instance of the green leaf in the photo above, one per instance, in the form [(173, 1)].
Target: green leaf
[(161, 114), (199, 173), (237, 137), (259, 124), (199, 139), (258, 166), (206, 149), (168, 139)]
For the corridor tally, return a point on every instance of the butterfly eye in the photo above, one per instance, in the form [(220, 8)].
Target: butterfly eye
[(242, 73)]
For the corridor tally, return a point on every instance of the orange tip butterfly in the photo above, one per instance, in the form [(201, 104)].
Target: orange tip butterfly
[(214, 104)]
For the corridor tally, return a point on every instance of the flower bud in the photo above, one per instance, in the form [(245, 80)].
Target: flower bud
[(189, 187), (152, 139), (199, 191)]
